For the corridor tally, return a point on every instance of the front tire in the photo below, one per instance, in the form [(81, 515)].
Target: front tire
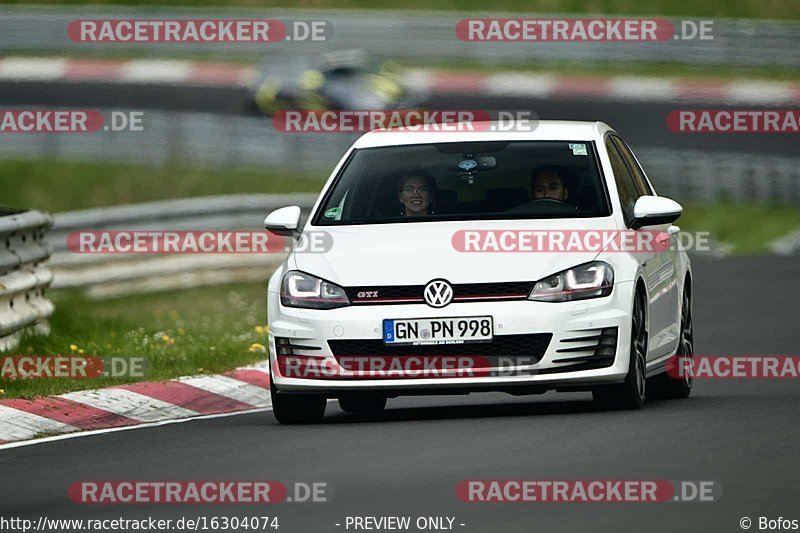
[(296, 408), (631, 393)]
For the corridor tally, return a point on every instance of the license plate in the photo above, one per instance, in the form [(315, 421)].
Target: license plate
[(433, 331)]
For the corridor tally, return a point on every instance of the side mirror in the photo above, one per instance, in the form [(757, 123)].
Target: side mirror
[(655, 210), (284, 222)]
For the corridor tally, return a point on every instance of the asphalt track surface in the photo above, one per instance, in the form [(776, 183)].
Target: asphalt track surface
[(641, 123), (740, 433)]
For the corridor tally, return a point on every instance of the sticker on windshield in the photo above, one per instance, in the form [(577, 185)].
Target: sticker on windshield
[(578, 149), (333, 212)]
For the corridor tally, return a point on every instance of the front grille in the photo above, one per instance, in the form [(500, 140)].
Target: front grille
[(530, 346), (472, 292)]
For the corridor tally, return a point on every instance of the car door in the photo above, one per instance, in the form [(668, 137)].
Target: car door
[(669, 273), (664, 280), (649, 260)]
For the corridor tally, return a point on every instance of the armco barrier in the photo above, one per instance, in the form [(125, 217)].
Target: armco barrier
[(113, 275), (412, 36), (23, 276)]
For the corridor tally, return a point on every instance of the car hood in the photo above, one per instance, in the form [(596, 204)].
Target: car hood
[(416, 253)]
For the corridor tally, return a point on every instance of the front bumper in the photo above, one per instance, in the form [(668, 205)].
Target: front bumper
[(561, 366)]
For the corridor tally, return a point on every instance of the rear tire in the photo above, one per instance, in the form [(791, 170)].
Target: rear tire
[(631, 393), (370, 405), (296, 408)]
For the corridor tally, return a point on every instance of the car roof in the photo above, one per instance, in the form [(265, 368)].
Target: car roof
[(544, 130)]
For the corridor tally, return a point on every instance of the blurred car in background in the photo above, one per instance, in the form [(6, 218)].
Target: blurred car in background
[(343, 80)]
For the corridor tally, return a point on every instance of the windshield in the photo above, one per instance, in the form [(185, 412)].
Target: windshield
[(465, 181)]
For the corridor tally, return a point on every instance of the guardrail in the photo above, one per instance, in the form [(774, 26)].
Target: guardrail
[(23, 276), (110, 275), (415, 36), (704, 176)]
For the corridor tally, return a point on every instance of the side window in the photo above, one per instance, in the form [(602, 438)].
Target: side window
[(638, 176), (625, 184)]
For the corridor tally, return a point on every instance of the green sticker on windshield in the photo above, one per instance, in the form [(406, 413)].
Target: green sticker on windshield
[(333, 212), (578, 149)]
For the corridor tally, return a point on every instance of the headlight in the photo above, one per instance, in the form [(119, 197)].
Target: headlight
[(591, 280), (299, 289)]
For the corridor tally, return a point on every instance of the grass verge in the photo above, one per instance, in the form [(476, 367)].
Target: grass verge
[(749, 228), (67, 185), (198, 331)]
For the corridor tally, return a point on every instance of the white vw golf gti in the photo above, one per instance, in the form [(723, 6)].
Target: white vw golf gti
[(474, 261)]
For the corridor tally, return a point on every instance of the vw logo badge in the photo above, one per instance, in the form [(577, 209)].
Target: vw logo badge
[(438, 293)]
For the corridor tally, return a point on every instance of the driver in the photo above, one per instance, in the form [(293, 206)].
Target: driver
[(547, 182)]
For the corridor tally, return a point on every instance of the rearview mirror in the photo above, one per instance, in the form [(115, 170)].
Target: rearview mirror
[(284, 222), (655, 210)]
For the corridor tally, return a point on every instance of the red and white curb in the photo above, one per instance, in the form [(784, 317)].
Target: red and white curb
[(139, 71), (637, 88), (201, 73), (243, 389)]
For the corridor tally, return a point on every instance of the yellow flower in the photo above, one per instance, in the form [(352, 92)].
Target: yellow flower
[(171, 342), (73, 347), (165, 338), (199, 369), (256, 347), (80, 351), (2, 391), (260, 330)]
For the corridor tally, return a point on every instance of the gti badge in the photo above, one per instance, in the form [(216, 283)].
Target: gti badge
[(367, 294)]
